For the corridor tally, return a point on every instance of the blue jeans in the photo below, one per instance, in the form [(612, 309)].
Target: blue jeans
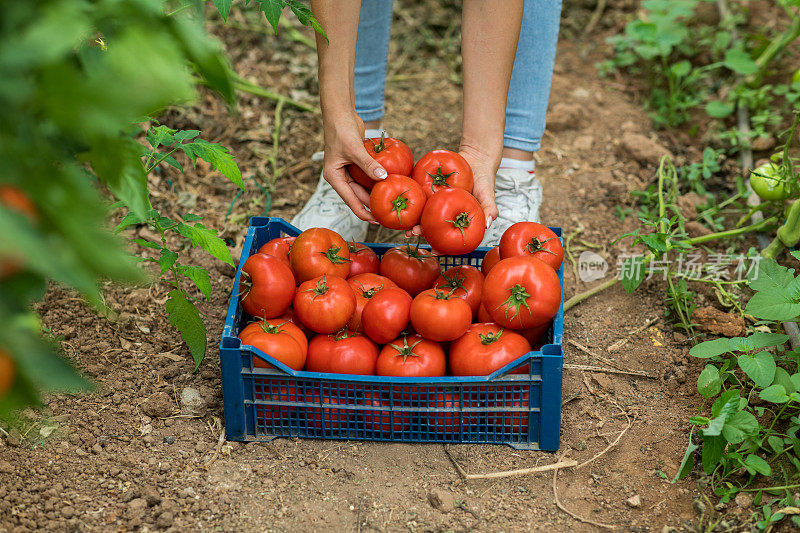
[(530, 81)]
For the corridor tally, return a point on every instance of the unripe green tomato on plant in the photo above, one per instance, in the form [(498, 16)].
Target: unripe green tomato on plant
[(767, 183)]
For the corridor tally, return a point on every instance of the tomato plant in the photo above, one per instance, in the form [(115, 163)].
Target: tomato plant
[(386, 314), (442, 169), (342, 353), (282, 340), (485, 348), (319, 251), (522, 292), (267, 286), (440, 316), (768, 183), (413, 269), (453, 222), (465, 281), (325, 304), (279, 247), (490, 260), (396, 202), (363, 260), (534, 240), (411, 355), (393, 155), (365, 286)]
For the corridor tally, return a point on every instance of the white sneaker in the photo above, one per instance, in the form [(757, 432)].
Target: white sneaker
[(518, 195), (326, 209)]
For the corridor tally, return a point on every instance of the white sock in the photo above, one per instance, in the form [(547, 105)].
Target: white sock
[(508, 162), (371, 133)]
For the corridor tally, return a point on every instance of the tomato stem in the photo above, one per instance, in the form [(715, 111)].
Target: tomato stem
[(381, 146), (519, 297), (439, 178), (333, 256), (537, 245), (321, 287), (490, 338), (461, 221), (400, 204), (405, 350)]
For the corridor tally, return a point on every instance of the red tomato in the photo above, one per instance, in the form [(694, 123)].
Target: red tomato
[(328, 418), (267, 286), (442, 169), (342, 353), (15, 199), (490, 260), (485, 348), (536, 335), (279, 247), (532, 239), (451, 410), (440, 316), (8, 371), (397, 202), (393, 155), (325, 304), (465, 281), (365, 286), (453, 222), (380, 419), (411, 355), (275, 391), (319, 251), (386, 314), (363, 260), (413, 269), (521, 292), (282, 340), (291, 316), (483, 314)]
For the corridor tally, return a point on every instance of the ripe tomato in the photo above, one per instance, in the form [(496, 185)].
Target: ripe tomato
[(342, 353), (453, 222), (329, 419), (7, 372), (536, 335), (363, 260), (413, 269), (532, 239), (275, 391), (380, 418), (393, 155), (490, 260), (521, 292), (442, 169), (397, 202), (465, 281), (440, 316), (279, 247), (411, 355), (485, 348), (483, 314), (386, 314), (319, 251), (291, 316), (325, 304), (267, 286), (15, 199), (282, 340), (365, 286)]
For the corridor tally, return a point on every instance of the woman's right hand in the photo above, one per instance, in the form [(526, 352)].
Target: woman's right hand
[(344, 145)]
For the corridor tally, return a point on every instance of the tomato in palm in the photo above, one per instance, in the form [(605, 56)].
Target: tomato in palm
[(490, 260), (319, 251), (363, 260), (768, 184), (342, 353), (393, 155), (282, 340), (442, 169), (267, 286), (380, 417), (279, 247), (413, 269), (485, 348), (325, 304), (534, 240), (365, 286), (386, 314), (465, 281), (453, 222), (7, 372), (397, 202), (413, 356), (521, 292), (440, 316)]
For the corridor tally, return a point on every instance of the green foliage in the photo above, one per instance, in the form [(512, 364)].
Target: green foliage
[(273, 9)]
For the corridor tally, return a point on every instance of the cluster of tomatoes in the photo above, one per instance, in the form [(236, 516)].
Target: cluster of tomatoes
[(435, 193), (325, 305)]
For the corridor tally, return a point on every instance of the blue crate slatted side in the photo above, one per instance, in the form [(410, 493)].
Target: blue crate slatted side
[(522, 410)]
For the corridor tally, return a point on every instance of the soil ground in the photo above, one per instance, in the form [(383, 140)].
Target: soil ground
[(96, 462)]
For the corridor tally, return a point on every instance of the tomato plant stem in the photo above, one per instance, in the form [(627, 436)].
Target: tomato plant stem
[(240, 84)]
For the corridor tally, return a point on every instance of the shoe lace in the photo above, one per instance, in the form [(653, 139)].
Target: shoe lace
[(507, 199)]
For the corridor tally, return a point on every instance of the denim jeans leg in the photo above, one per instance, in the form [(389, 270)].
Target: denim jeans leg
[(372, 50), (529, 90)]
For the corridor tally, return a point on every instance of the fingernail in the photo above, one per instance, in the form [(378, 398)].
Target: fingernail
[(488, 222), (380, 173), (374, 222)]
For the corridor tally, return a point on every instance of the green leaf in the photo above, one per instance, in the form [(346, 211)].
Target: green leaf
[(754, 463), (224, 8), (160, 135), (708, 382), (189, 217), (131, 219), (306, 17), (773, 304), (185, 317), (681, 68), (782, 378), (718, 422), (774, 394), (723, 400), (272, 11), (776, 443), (708, 349), (759, 367), (718, 109), (185, 135), (713, 447), (770, 274), (740, 426), (757, 340), (206, 239), (167, 259), (795, 379), (687, 463), (217, 155), (632, 273), (739, 61), (199, 276), (148, 244)]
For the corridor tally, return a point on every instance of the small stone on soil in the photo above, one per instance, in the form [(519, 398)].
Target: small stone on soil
[(136, 508), (159, 405), (6, 467), (192, 403), (441, 500), (634, 501), (743, 500), (169, 439), (165, 520)]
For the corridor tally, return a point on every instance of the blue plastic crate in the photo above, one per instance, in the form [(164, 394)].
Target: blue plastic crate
[(521, 410)]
